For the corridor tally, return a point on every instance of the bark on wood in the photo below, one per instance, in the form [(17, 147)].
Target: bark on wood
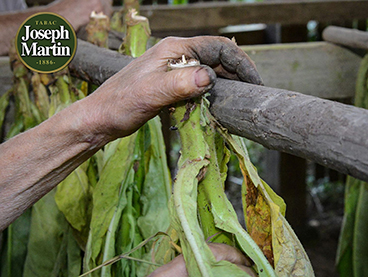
[(95, 64), (330, 133), (347, 37), (220, 14)]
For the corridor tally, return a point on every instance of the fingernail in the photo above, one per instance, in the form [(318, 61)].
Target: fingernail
[(202, 78), (205, 78)]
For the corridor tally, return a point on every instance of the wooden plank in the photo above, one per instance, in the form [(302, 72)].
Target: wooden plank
[(220, 14), (315, 68)]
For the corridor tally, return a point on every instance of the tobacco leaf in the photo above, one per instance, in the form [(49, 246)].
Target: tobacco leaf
[(195, 150), (42, 100), (113, 242), (344, 259), (73, 199), (360, 249), (258, 217), (212, 186), (352, 248), (48, 241), (106, 197), (289, 257), (156, 189), (15, 248)]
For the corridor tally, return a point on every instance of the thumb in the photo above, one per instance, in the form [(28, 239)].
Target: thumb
[(188, 82)]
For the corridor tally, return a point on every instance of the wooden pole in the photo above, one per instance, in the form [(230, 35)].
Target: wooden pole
[(330, 133), (347, 37)]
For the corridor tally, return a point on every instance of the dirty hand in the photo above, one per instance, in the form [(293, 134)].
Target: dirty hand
[(140, 90), (221, 252), (116, 109)]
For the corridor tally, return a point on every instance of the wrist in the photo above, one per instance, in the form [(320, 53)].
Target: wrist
[(80, 124)]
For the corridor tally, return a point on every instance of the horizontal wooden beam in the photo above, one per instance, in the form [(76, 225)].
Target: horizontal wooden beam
[(315, 68), (327, 132), (347, 37), (208, 15)]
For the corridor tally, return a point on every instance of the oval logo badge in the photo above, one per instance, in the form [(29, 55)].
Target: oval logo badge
[(46, 42)]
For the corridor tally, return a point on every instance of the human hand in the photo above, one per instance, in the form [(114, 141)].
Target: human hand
[(78, 12), (221, 252), (140, 90)]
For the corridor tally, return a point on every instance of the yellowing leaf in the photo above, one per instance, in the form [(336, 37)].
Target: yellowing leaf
[(263, 205)]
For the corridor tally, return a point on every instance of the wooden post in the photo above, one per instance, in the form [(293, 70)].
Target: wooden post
[(293, 189), (292, 170)]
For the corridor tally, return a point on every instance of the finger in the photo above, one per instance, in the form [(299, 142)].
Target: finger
[(215, 51), (181, 84), (174, 268), (248, 270), (228, 253)]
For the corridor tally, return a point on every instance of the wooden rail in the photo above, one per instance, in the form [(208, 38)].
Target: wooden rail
[(347, 37), (207, 15), (327, 132)]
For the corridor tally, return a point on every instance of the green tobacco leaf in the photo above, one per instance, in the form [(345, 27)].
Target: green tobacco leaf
[(106, 197), (361, 88), (344, 259), (211, 191), (360, 246), (74, 257), (197, 255), (127, 255), (24, 103), (156, 189), (72, 198), (111, 240), (41, 95), (48, 242), (137, 34), (199, 259), (15, 249), (353, 244), (127, 235), (155, 193), (163, 251)]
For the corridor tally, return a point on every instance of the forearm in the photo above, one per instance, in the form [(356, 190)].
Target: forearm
[(34, 162)]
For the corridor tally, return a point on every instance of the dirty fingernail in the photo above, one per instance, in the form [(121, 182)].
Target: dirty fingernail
[(205, 78)]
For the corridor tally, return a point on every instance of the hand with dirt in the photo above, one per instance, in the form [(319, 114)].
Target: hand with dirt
[(35, 161), (139, 91), (221, 252)]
